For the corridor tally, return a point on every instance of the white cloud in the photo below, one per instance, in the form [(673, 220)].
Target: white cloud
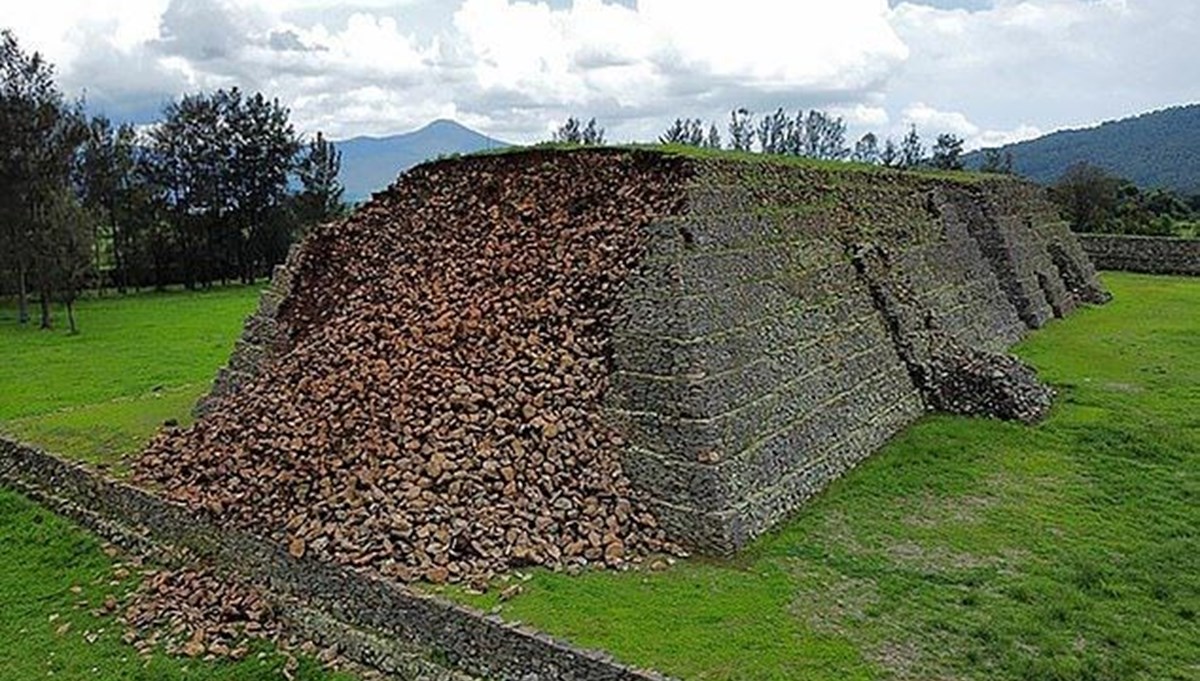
[(59, 28), (516, 67), (931, 122), (1024, 64), (839, 46), (863, 116), (999, 138), (555, 53)]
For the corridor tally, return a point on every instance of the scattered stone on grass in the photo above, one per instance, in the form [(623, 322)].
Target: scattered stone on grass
[(197, 613), (203, 615)]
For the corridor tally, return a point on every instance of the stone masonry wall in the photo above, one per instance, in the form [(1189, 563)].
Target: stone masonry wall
[(260, 337), (1151, 255), (755, 362)]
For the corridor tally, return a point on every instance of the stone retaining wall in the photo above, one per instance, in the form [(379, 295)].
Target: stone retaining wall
[(1147, 254), (755, 363), (261, 337), (334, 599)]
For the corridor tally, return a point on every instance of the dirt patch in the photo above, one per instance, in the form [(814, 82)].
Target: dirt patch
[(842, 606), (932, 511), (937, 560), (839, 531), (1127, 388), (835, 604), (900, 658)]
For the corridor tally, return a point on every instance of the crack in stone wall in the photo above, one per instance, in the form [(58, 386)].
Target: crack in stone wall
[(951, 376)]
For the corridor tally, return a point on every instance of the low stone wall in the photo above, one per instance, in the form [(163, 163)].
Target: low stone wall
[(467, 640), (1147, 254)]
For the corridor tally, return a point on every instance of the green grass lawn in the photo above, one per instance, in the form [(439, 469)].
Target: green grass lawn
[(967, 549), (99, 396), (137, 361), (55, 575)]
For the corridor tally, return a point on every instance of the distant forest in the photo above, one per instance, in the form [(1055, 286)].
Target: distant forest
[(1159, 150), (814, 134)]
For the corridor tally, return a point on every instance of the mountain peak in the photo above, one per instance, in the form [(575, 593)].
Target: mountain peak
[(370, 164), (446, 124)]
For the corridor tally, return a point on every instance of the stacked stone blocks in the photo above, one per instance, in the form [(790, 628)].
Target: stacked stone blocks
[(755, 363), (1146, 254)]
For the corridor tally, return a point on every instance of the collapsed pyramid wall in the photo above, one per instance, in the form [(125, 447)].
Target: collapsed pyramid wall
[(419, 393), (778, 323), (262, 337), (754, 364)]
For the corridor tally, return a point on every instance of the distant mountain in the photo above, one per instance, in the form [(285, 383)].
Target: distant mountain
[(370, 164), (1159, 149)]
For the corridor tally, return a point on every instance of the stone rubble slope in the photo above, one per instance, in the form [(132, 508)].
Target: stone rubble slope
[(433, 410)]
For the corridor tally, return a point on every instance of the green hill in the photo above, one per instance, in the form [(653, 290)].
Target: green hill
[(1158, 149)]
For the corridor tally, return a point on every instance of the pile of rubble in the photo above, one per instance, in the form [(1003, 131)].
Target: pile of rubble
[(198, 614), (952, 377), (961, 380), (434, 410)]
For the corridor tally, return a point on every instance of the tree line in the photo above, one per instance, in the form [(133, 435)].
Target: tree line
[(812, 134), (1096, 201), (216, 191)]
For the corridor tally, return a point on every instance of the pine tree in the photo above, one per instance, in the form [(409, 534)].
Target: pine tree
[(107, 179), (65, 241), (947, 153), (570, 132), (593, 134), (33, 126), (573, 131), (222, 163), (685, 131), (713, 141), (263, 159), (866, 150), (890, 156), (320, 197), (912, 153), (996, 162), (741, 130)]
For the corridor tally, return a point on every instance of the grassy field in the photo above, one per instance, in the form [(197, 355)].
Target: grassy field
[(968, 549), (99, 396), (137, 361), (55, 576)]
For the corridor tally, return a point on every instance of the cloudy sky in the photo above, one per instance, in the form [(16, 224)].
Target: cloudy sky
[(990, 71)]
